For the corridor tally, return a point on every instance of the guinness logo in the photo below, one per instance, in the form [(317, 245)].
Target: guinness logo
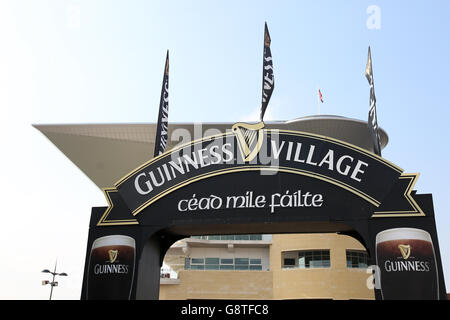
[(405, 250), (113, 255), (250, 138)]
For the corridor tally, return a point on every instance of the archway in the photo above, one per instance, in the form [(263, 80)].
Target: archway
[(294, 183)]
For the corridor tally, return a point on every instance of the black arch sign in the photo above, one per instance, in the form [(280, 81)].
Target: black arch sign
[(266, 181)]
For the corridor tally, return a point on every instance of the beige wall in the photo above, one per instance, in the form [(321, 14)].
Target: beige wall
[(210, 284), (336, 282)]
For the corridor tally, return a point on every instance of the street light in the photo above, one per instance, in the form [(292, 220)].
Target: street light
[(52, 283)]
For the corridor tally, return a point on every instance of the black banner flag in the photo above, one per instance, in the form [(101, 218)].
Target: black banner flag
[(163, 116), (372, 122), (268, 78)]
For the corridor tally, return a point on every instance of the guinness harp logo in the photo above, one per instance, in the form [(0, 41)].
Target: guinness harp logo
[(405, 250), (113, 255), (250, 138)]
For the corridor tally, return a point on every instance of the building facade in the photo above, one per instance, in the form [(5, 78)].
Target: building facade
[(282, 266)]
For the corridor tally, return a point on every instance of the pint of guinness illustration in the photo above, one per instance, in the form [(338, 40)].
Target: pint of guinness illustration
[(407, 264), (111, 268)]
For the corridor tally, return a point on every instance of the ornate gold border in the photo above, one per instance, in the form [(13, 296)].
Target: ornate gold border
[(103, 220), (417, 212), (254, 168)]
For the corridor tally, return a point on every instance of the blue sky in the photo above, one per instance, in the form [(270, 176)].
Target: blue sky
[(102, 62)]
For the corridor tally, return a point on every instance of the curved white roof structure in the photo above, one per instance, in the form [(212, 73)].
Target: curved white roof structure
[(107, 152)]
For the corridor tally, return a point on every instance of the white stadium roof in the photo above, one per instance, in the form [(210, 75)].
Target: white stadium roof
[(107, 152)]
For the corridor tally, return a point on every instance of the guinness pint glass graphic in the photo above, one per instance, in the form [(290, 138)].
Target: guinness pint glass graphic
[(111, 268), (407, 264)]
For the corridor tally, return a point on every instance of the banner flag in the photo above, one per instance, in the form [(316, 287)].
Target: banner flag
[(268, 78), (372, 121), (163, 117)]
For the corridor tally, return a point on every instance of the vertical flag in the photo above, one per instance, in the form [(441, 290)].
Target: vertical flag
[(163, 116), (319, 101), (372, 121), (268, 78)]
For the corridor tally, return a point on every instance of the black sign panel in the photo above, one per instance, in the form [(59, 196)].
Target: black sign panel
[(251, 199), (252, 148)]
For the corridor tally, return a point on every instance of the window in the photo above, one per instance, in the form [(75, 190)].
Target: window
[(226, 267), (230, 237), (211, 260), (197, 267), (357, 259), (197, 264), (223, 263), (241, 264), (255, 267), (306, 259), (211, 267), (211, 263), (241, 261), (226, 261), (197, 261), (289, 263)]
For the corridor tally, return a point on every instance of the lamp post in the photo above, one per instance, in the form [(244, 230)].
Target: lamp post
[(53, 283)]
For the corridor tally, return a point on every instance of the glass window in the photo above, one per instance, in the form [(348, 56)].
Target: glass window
[(211, 260), (240, 267), (209, 263), (226, 261), (301, 262), (307, 259), (288, 263), (255, 267), (241, 261), (211, 267), (197, 267), (230, 237), (314, 259), (197, 261), (357, 259), (226, 267)]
